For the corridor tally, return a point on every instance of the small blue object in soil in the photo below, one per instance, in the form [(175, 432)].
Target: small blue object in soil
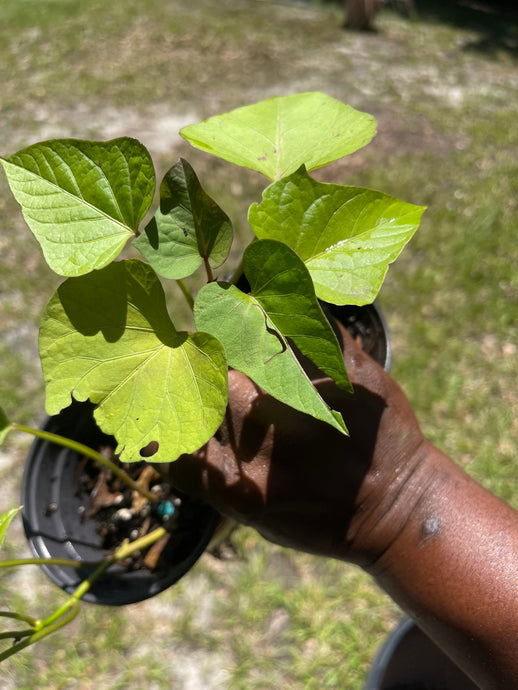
[(165, 509)]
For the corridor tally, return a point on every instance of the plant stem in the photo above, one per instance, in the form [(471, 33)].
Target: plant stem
[(208, 270), (16, 634), (186, 293), (69, 610), (42, 561), (39, 634), (90, 453), (123, 551), (19, 617)]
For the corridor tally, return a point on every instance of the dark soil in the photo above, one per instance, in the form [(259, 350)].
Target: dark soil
[(120, 513)]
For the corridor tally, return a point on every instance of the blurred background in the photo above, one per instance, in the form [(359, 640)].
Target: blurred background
[(442, 81)]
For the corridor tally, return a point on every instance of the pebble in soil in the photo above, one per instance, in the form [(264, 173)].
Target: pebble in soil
[(122, 513)]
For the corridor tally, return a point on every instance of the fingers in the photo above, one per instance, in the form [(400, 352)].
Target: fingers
[(216, 476), (188, 474)]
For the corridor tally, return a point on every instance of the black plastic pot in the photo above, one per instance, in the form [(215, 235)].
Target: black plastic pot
[(368, 324), (53, 517), (409, 660)]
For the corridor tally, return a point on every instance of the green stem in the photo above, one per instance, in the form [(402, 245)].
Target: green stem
[(19, 617), (42, 561), (90, 453), (186, 293), (208, 270), (16, 634), (69, 610), (123, 551), (41, 633), (127, 548), (79, 592)]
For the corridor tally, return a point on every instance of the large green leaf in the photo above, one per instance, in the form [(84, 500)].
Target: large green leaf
[(5, 426), (5, 521), (278, 135), (346, 236), (188, 228), (82, 199), (283, 287), (255, 347), (107, 336)]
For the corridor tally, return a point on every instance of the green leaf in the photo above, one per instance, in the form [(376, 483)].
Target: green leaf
[(346, 236), (189, 227), (278, 135), (151, 383), (5, 426), (254, 347), (283, 287), (5, 521), (82, 199)]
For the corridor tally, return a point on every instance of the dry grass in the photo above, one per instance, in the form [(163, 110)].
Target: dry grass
[(446, 103)]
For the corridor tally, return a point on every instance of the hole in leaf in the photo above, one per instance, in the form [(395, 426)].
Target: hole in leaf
[(149, 450)]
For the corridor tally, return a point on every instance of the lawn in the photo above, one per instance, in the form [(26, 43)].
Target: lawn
[(444, 89)]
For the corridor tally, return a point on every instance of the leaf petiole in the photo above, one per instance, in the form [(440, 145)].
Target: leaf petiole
[(70, 608), (40, 633), (208, 270), (90, 453), (186, 293), (19, 617), (68, 562)]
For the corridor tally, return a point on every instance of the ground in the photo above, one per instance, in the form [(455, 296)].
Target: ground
[(444, 89)]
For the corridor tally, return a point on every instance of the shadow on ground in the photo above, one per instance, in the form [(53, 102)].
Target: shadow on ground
[(495, 23)]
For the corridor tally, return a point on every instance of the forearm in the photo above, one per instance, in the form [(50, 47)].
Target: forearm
[(444, 548), (453, 566)]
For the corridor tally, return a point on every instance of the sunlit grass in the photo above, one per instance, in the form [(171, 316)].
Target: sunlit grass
[(447, 138)]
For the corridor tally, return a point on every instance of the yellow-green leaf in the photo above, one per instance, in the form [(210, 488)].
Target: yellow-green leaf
[(82, 200), (107, 337), (278, 135)]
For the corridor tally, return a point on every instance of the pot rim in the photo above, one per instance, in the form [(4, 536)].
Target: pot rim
[(54, 528)]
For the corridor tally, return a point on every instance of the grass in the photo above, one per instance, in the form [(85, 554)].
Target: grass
[(444, 92)]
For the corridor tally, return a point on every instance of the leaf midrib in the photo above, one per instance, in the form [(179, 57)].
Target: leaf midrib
[(79, 199)]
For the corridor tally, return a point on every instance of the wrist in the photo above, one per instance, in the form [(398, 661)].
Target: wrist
[(388, 502), (446, 550)]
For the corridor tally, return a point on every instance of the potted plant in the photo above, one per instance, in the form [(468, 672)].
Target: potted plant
[(79, 504), (124, 387)]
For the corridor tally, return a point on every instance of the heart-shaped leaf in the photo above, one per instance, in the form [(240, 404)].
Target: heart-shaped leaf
[(283, 287), (107, 336), (188, 228), (278, 135), (254, 347), (346, 236), (82, 200), (5, 521)]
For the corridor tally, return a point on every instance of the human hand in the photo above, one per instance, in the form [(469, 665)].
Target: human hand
[(298, 481), (384, 498)]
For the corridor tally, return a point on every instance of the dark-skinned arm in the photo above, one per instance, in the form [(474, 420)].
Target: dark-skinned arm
[(439, 544), (452, 564)]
